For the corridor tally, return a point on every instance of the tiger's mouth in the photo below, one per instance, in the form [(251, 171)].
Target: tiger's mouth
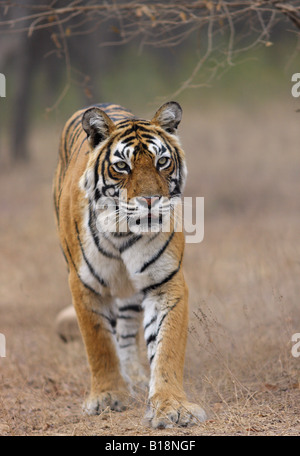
[(150, 214), (139, 215), (149, 220)]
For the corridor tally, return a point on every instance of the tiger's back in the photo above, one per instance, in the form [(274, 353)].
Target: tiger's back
[(128, 262)]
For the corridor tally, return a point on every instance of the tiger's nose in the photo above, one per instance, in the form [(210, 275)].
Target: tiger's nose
[(148, 201)]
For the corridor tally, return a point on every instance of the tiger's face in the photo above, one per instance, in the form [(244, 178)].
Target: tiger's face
[(136, 171)]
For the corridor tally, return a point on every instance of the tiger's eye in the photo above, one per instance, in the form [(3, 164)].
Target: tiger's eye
[(162, 161), (121, 165)]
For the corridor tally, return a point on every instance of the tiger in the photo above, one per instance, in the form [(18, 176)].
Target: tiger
[(119, 277)]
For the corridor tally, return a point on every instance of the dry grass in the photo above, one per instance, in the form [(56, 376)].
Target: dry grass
[(243, 279)]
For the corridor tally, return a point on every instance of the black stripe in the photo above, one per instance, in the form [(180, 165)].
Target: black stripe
[(127, 345), (128, 244), (96, 174), (67, 131), (133, 307), (177, 154), (63, 171), (127, 336), (55, 204), (96, 237), (153, 337), (130, 143), (148, 136), (106, 159), (126, 317), (112, 321), (124, 122), (129, 138), (75, 137), (76, 130), (120, 234), (72, 154), (162, 319), (169, 310), (79, 149), (60, 186), (153, 319), (78, 275), (127, 132), (97, 194), (91, 269), (165, 280), (150, 339), (154, 237), (158, 254), (139, 127), (65, 256), (103, 315), (144, 122)]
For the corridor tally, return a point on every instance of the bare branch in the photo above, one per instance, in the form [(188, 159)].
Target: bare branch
[(242, 25)]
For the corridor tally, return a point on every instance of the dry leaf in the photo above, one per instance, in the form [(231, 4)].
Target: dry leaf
[(218, 406), (115, 29), (269, 386), (144, 10), (138, 12), (55, 40), (88, 93), (182, 16), (209, 6)]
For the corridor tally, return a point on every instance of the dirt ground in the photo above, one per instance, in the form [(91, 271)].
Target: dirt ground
[(243, 279)]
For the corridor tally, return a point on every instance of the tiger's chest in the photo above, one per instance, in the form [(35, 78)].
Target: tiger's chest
[(121, 265)]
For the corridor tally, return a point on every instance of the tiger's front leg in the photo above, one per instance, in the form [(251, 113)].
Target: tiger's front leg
[(165, 329), (97, 325), (128, 326)]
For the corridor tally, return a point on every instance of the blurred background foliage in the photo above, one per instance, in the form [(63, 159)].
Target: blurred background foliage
[(51, 72)]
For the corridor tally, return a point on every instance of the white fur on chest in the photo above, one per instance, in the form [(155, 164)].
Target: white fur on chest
[(123, 275)]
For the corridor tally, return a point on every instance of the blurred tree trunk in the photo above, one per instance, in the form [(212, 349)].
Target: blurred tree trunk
[(26, 64), (29, 63)]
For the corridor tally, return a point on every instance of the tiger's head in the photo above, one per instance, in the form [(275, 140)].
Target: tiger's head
[(136, 168)]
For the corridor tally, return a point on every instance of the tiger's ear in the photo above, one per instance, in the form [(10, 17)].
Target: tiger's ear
[(97, 125), (168, 116)]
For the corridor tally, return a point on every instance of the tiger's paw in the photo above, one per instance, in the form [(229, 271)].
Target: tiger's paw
[(170, 413), (108, 400)]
